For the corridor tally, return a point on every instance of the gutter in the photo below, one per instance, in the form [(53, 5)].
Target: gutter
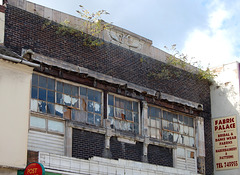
[(16, 60)]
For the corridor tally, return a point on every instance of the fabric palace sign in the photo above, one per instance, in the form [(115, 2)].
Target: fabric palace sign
[(226, 147)]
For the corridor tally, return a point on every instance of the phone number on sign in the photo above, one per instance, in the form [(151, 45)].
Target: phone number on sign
[(231, 164)]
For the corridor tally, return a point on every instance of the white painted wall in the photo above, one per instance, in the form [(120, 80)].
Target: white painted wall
[(15, 83), (225, 101), (103, 166), (2, 26)]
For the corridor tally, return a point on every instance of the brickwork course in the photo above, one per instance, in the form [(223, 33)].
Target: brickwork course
[(26, 30)]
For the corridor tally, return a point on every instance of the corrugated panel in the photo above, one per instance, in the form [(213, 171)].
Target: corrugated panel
[(50, 143), (181, 163), (189, 164)]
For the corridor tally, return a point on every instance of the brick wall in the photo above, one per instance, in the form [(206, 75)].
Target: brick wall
[(87, 144), (125, 150), (25, 30), (160, 155)]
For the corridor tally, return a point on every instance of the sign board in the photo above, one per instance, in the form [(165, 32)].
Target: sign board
[(34, 169), (226, 146)]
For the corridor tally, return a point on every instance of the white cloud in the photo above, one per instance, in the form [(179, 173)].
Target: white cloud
[(213, 45)]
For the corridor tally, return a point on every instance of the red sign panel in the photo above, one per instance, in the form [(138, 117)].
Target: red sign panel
[(34, 169)]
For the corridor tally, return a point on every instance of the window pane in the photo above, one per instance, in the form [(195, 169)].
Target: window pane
[(122, 103), (185, 120), (90, 106), (59, 110), (170, 117), (83, 104), (135, 106), (34, 80), (170, 137), (59, 86), (135, 116), (55, 126), (153, 132), (42, 81), (180, 152), (76, 115), (152, 112), (37, 122), (51, 84), (185, 130), (129, 116), (98, 96), (42, 106), (191, 141), (176, 127), (110, 111), (191, 131), (67, 100), (181, 119), (165, 115), (165, 124), (165, 136), (119, 112), (59, 98), (90, 94), (97, 120), (34, 92), (175, 137), (67, 89), (83, 91), (170, 126), (190, 120), (190, 154), (97, 108), (75, 91), (34, 105), (51, 96), (117, 102), (42, 94), (153, 123), (158, 122), (175, 118), (128, 105), (75, 102), (50, 108), (90, 118), (110, 100), (181, 129), (186, 140)]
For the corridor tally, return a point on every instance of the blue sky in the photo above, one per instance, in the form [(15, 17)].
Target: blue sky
[(208, 30)]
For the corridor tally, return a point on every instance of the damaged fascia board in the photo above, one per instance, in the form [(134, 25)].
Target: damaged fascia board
[(73, 68), (174, 99)]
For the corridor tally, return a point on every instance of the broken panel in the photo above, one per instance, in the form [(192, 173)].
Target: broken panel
[(34, 105), (50, 108), (59, 110), (90, 118), (42, 106)]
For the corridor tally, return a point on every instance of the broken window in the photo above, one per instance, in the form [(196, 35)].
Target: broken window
[(123, 113), (171, 126), (66, 100), (154, 123)]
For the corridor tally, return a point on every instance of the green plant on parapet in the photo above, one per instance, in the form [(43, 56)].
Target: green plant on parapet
[(91, 28), (182, 61)]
